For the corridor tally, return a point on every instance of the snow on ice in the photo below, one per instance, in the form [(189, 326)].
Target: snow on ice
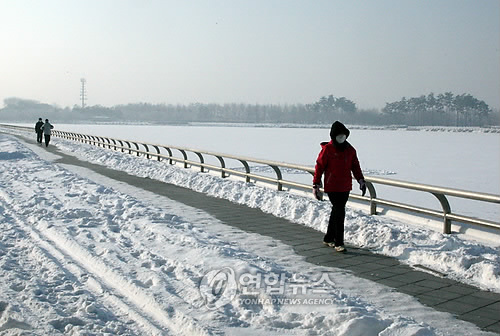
[(82, 254)]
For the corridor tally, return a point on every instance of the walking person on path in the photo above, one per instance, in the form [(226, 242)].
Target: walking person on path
[(38, 130), (337, 160), (47, 127)]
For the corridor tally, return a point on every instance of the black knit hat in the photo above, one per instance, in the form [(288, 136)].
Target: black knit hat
[(338, 128)]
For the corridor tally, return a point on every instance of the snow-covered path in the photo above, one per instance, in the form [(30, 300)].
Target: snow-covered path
[(81, 254)]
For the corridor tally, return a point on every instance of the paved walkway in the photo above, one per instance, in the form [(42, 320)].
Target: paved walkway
[(465, 302)]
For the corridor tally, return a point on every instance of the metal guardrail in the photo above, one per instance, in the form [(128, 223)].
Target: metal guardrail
[(165, 152)]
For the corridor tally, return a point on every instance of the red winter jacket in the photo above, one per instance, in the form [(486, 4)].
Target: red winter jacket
[(337, 166)]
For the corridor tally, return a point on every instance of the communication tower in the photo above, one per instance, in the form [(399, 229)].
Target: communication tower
[(83, 92)]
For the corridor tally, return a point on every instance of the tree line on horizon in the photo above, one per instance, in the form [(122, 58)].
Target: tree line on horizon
[(432, 110)]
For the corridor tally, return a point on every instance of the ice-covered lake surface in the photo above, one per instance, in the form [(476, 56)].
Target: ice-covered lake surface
[(460, 160)]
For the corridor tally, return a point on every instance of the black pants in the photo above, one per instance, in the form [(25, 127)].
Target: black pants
[(335, 232), (39, 136), (47, 140)]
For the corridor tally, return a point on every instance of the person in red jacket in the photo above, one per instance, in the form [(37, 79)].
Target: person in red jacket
[(336, 161)]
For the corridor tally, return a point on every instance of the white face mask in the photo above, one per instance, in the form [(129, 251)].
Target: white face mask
[(340, 138)]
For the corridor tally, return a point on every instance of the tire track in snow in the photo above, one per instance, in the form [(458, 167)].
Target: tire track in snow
[(105, 282), (172, 319), (67, 262)]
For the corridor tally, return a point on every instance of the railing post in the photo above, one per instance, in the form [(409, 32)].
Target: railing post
[(278, 177), (147, 150), (137, 148), (121, 145), (157, 152), (109, 143), (373, 195), (247, 170), (446, 210), (129, 147), (222, 165), (184, 155), (202, 160), (169, 154)]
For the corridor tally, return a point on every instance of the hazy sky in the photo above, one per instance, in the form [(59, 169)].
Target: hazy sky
[(248, 51)]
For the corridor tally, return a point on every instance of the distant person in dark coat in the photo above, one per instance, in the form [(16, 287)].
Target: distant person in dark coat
[(38, 130), (337, 160), (47, 127)]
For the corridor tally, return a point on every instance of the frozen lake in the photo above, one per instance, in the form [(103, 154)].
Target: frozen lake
[(462, 160)]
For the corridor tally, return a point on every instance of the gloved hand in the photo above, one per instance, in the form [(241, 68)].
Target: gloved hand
[(362, 187), (317, 192)]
